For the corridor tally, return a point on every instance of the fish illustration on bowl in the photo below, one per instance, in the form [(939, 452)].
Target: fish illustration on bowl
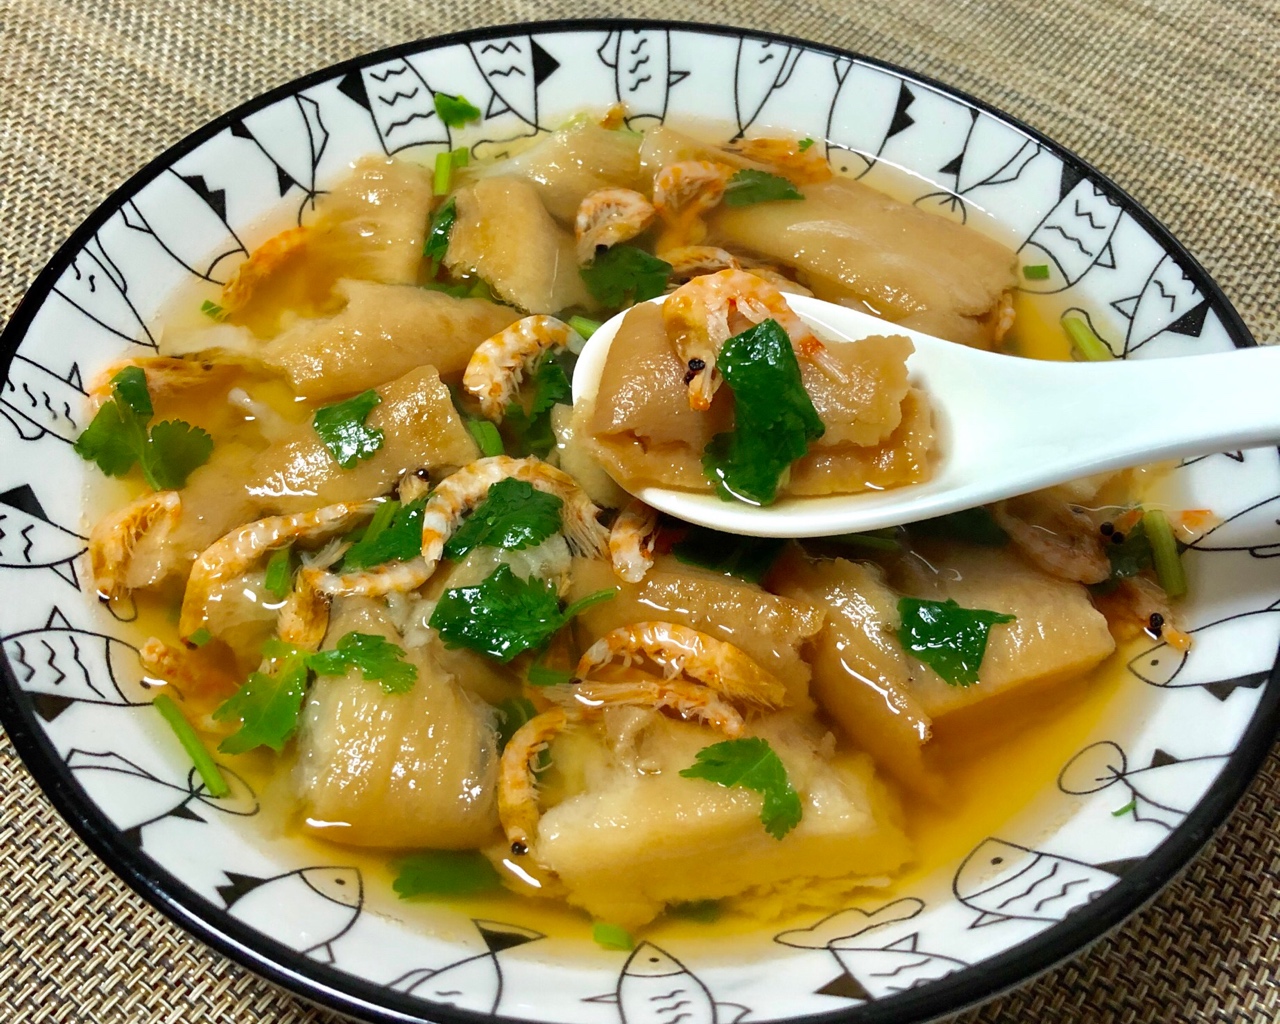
[(656, 988), (474, 982)]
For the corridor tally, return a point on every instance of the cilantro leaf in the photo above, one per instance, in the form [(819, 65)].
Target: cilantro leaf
[(749, 186), (624, 275), (436, 246), (377, 658), (444, 873), (112, 440), (747, 557), (117, 438), (804, 144), (267, 706), (531, 431), (278, 580), (174, 450), (486, 436), (455, 111), (975, 525), (774, 418), (395, 532), (212, 310), (513, 515), (504, 615), (612, 936), (751, 763), (949, 639), (1132, 554), (342, 429)]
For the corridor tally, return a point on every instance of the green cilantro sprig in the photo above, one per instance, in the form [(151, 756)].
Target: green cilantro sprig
[(531, 432), (774, 418), (949, 639), (513, 515), (624, 275), (268, 704), (512, 714), (342, 428), (118, 439), (377, 658), (747, 557), (749, 186), (751, 763), (455, 111), (394, 533), (278, 579), (439, 873), (504, 615)]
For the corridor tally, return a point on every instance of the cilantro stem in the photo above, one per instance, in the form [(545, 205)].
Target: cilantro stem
[(583, 603), (585, 325), (1164, 552), (210, 775)]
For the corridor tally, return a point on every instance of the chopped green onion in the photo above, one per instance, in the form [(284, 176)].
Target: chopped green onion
[(1132, 805), (455, 111), (1164, 552), (460, 157), (876, 540), (200, 637), (612, 936), (487, 437), (1036, 272), (1091, 348), (584, 325), (191, 743), (212, 310), (444, 173)]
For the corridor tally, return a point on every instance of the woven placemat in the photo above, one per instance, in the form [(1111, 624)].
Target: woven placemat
[(1175, 99)]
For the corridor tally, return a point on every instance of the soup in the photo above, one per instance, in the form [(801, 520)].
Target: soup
[(383, 562)]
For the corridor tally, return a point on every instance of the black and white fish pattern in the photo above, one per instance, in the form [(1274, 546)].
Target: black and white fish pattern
[(292, 135), (96, 286), (993, 154), (1253, 529), (874, 965), (1170, 300), (762, 66), (1002, 880), (642, 72), (475, 982), (513, 68), (38, 402), (401, 103), (187, 217), (134, 798), (656, 988), (1074, 236), (868, 109), (308, 909), (59, 665), (1242, 645), (1162, 792), (29, 540)]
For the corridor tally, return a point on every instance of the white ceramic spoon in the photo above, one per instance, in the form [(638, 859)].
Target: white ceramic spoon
[(1007, 426)]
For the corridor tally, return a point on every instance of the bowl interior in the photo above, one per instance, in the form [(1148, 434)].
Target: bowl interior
[(1180, 740)]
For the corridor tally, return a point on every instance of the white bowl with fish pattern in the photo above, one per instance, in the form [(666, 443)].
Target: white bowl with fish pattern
[(1019, 902)]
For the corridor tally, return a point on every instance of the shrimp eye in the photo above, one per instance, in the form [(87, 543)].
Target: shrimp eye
[(697, 365), (519, 849)]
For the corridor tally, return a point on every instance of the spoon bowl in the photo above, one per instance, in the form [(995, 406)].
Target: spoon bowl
[(1005, 425)]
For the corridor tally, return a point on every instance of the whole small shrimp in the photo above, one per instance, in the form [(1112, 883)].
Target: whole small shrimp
[(517, 788), (498, 364), (376, 581), (705, 313), (264, 261), (631, 541), (608, 216), (688, 700), (682, 193), (717, 665), (802, 165), (115, 538), (1055, 536), (688, 261), (236, 552), (463, 490), (166, 375)]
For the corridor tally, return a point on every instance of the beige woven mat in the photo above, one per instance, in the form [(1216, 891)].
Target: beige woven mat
[(1175, 99)]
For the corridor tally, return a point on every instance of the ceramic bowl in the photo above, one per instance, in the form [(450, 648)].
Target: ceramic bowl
[(1131, 807)]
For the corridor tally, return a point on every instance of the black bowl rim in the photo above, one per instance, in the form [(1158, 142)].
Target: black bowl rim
[(337, 990)]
